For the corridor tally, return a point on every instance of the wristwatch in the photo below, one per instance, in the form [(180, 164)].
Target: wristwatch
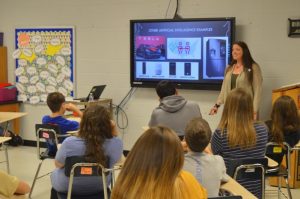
[(217, 105)]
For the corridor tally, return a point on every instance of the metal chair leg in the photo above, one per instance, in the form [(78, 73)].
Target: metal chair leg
[(279, 187), (7, 160), (288, 188), (104, 186), (35, 178)]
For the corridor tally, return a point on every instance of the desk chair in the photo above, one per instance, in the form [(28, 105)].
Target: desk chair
[(44, 132), (77, 166), (250, 173), (276, 152)]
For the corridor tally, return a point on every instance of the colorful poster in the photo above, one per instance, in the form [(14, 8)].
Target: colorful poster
[(44, 63)]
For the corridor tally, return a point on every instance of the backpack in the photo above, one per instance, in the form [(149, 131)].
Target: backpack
[(16, 140)]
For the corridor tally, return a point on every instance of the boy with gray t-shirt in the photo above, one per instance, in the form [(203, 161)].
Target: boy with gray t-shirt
[(207, 168)]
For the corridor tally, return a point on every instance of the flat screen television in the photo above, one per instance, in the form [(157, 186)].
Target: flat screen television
[(192, 53)]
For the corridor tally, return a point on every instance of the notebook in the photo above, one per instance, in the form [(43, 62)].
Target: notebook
[(96, 91)]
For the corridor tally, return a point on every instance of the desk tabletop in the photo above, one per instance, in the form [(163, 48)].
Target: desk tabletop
[(11, 102), (72, 118), (4, 139), (235, 188), (272, 163), (99, 101), (7, 116)]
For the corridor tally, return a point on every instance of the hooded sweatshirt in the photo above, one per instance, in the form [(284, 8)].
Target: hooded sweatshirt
[(174, 112)]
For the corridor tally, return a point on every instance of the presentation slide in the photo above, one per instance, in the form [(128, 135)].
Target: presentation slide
[(183, 51)]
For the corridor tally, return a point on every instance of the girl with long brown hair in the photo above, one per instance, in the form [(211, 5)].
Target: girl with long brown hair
[(284, 125), (95, 141), (152, 169), (237, 135)]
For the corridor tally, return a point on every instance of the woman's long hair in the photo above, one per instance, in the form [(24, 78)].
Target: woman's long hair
[(247, 59), (284, 117), (237, 118), (95, 127), (152, 167)]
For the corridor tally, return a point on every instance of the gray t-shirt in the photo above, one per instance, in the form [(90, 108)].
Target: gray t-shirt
[(75, 146), (208, 169)]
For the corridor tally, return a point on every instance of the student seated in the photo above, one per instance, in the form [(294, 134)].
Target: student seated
[(153, 169), (173, 111), (97, 142), (58, 106), (198, 162), (238, 135), (10, 185), (284, 125)]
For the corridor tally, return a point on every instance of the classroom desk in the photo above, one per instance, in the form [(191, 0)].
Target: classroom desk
[(2, 141), (272, 163), (12, 106), (235, 188), (7, 117), (102, 101)]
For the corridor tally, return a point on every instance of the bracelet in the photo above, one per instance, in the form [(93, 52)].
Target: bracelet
[(217, 105)]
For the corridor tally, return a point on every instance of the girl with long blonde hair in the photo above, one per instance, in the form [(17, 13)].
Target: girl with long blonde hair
[(152, 169), (238, 135)]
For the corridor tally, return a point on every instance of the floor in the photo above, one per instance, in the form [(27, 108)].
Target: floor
[(24, 162)]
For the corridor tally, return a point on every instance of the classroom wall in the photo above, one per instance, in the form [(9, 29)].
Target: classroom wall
[(102, 47)]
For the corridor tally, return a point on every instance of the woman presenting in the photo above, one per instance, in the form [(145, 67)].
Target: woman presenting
[(243, 72)]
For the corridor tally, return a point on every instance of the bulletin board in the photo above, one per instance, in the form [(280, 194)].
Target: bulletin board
[(44, 62)]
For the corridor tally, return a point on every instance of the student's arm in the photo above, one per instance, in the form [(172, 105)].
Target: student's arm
[(73, 108), (23, 188), (58, 164), (114, 130), (61, 154)]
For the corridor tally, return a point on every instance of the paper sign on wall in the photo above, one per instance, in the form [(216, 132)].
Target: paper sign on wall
[(44, 62)]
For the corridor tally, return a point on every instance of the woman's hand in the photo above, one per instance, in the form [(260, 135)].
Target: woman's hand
[(213, 111)]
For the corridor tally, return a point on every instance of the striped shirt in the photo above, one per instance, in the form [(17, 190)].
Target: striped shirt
[(219, 145)]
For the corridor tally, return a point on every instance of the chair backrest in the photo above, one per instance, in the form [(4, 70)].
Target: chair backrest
[(46, 132), (250, 173), (80, 169), (277, 151), (78, 166)]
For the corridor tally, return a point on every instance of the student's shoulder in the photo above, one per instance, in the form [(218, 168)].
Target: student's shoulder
[(214, 158), (218, 132), (260, 125), (192, 105), (186, 176), (72, 139), (114, 141), (45, 118)]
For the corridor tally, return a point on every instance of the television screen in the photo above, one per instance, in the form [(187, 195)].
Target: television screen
[(192, 53)]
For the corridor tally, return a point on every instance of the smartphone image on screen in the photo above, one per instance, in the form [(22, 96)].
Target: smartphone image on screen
[(187, 68), (172, 68), (158, 69), (144, 68)]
